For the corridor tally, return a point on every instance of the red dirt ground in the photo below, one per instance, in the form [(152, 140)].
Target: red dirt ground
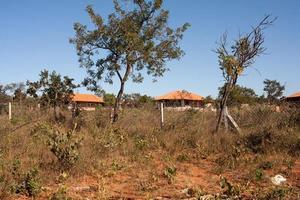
[(136, 183)]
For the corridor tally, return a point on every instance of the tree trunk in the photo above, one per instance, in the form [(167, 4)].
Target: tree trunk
[(223, 104), (120, 93), (118, 103)]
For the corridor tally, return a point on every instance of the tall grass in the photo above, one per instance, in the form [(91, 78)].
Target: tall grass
[(137, 139)]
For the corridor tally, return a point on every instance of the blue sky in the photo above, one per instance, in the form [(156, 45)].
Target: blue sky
[(35, 35)]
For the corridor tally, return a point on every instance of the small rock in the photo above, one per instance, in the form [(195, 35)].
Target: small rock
[(278, 179)]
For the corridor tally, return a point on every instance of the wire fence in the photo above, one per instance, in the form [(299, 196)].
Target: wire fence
[(264, 116)]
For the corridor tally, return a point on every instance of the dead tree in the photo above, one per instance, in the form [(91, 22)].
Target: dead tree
[(239, 56)]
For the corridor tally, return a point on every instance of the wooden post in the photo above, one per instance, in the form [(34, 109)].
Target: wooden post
[(225, 115), (9, 110), (232, 122), (161, 114)]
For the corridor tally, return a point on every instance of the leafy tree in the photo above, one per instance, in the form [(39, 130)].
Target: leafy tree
[(144, 99), (239, 95), (130, 42), (273, 89), (15, 90), (109, 99), (56, 91), (237, 58), (4, 97), (208, 99), (136, 99), (19, 93)]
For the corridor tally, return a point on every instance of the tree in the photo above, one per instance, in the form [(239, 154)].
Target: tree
[(137, 100), (55, 90), (19, 93), (132, 41), (239, 95), (4, 97), (209, 99), (15, 90), (273, 89), (109, 99), (235, 60)]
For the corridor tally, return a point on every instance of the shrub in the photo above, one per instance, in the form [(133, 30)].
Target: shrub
[(256, 141), (25, 183), (64, 145), (259, 174), (170, 173)]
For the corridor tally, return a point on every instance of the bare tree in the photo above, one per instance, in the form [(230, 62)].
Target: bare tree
[(239, 56)]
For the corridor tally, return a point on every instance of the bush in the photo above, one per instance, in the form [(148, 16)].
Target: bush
[(64, 145), (170, 173), (256, 141), (25, 183)]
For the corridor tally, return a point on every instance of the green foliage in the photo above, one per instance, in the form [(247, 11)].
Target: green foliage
[(259, 174), (15, 89), (25, 183), (209, 99), (137, 100), (64, 145), (131, 42), (234, 60), (273, 89), (109, 99), (56, 91), (19, 95), (239, 95), (170, 173), (134, 38), (113, 137)]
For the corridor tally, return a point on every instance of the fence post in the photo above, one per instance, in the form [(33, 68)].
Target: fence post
[(9, 110), (161, 114), (225, 115)]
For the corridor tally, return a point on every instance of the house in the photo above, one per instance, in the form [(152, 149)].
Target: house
[(294, 98), (87, 102), (181, 100)]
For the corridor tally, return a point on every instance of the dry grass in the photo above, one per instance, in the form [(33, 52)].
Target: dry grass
[(136, 158)]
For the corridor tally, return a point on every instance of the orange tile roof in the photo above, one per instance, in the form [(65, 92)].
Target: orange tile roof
[(87, 98), (297, 94), (178, 95)]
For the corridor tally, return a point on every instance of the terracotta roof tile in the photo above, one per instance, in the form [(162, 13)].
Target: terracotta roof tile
[(178, 95), (87, 98), (297, 94)]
